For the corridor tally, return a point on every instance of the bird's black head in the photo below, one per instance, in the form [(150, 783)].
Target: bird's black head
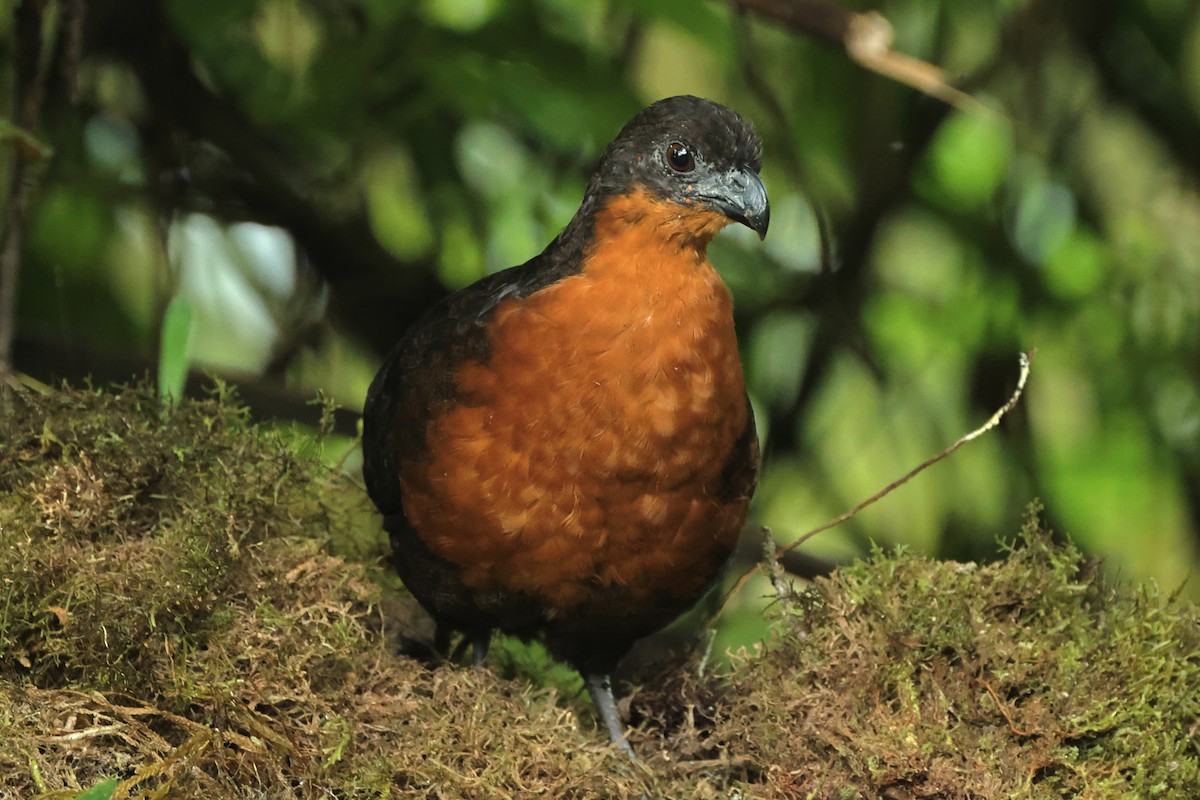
[(692, 152)]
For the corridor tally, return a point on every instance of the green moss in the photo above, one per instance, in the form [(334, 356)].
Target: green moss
[(123, 525), (190, 606), (1026, 678), (172, 615)]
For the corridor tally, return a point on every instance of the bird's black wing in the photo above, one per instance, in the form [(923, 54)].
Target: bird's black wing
[(417, 377)]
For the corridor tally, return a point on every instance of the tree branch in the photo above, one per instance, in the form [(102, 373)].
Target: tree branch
[(30, 79), (866, 38)]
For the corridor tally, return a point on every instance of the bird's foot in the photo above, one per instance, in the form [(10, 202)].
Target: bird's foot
[(599, 686), (478, 640)]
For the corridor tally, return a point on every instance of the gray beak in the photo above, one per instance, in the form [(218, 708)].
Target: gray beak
[(741, 196)]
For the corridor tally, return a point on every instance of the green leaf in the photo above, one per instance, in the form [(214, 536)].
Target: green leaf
[(101, 791), (396, 205), (969, 158), (174, 351)]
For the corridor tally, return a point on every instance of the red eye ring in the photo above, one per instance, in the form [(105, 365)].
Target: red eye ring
[(679, 157)]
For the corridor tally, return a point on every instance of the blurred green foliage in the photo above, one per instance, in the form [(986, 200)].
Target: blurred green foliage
[(407, 148)]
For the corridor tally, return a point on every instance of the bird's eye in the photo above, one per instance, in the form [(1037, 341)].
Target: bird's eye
[(679, 156)]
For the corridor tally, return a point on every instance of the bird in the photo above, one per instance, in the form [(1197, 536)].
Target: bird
[(565, 449)]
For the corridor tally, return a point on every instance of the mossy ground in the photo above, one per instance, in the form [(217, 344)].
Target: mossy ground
[(175, 619)]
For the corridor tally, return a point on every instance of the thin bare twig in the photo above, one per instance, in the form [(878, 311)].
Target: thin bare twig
[(1026, 359), (993, 421), (867, 38)]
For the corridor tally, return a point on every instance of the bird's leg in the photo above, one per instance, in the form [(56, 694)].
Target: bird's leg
[(479, 646), (478, 640), (599, 686)]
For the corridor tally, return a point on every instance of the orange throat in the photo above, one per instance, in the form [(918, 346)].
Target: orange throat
[(670, 224)]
